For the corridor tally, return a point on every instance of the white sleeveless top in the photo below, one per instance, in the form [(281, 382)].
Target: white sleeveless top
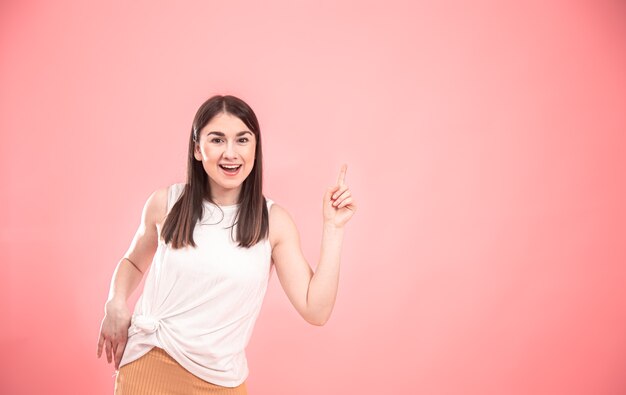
[(200, 304)]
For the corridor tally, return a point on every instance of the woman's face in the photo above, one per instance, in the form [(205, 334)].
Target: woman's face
[(226, 142)]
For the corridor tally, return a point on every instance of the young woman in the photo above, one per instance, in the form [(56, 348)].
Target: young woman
[(211, 242)]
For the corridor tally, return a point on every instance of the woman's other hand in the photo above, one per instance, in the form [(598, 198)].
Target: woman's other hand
[(114, 331), (339, 205)]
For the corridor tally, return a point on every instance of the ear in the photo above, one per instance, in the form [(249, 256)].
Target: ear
[(196, 152)]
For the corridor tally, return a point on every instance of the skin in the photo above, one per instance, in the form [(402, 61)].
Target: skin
[(215, 148), (312, 293)]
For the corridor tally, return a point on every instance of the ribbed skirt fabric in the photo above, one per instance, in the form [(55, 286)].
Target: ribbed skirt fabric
[(156, 373)]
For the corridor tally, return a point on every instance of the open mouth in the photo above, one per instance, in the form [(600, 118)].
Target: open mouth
[(230, 170)]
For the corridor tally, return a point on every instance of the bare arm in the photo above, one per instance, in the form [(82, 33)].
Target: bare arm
[(313, 294), (138, 257), (128, 275)]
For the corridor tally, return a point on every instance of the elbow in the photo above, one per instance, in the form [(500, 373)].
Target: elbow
[(317, 315), (317, 321)]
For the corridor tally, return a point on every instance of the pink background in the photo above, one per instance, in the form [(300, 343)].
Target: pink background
[(485, 144)]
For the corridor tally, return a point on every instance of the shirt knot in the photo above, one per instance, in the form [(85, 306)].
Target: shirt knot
[(146, 323)]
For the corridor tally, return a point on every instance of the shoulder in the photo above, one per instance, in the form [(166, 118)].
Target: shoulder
[(277, 212), (173, 193), (156, 207), (281, 224)]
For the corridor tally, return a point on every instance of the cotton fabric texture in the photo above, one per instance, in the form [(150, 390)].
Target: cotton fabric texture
[(200, 304)]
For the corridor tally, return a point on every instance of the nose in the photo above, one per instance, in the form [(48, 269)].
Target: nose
[(229, 152)]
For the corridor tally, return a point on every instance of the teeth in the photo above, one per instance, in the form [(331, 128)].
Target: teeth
[(230, 167)]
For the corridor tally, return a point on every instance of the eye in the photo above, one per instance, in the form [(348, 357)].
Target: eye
[(216, 140), (243, 140)]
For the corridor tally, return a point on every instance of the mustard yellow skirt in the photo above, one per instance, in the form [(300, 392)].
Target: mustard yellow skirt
[(156, 373)]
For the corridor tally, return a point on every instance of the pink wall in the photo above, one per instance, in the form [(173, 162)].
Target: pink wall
[(485, 145)]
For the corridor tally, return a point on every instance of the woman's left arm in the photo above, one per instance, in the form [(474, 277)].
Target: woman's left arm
[(313, 294)]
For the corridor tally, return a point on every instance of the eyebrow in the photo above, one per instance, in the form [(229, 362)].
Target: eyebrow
[(221, 134)]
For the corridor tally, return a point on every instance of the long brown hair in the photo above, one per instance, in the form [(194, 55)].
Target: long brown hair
[(252, 218)]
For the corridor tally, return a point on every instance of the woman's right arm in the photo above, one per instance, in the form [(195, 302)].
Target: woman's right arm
[(128, 275)]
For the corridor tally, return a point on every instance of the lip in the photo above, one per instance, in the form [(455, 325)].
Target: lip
[(231, 174)]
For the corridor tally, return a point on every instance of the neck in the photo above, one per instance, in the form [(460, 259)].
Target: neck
[(225, 197)]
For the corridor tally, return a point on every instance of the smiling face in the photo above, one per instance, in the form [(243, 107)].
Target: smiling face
[(226, 147)]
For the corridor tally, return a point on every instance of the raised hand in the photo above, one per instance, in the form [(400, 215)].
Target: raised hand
[(339, 205)]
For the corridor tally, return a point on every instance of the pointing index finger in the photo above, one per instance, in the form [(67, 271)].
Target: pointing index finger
[(342, 174)]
